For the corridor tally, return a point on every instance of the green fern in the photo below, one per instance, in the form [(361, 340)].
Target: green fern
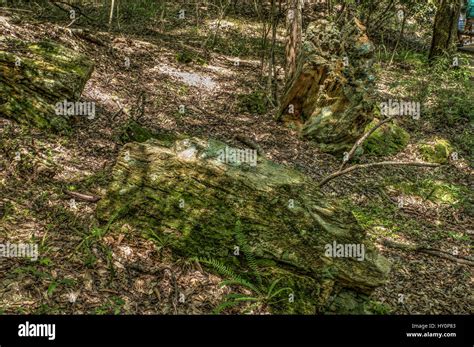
[(220, 267), (243, 244), (261, 294)]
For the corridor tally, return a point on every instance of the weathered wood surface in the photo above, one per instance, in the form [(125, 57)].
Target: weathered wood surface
[(330, 96), (182, 190)]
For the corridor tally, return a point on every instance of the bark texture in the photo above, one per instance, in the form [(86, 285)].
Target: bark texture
[(445, 27), (329, 97)]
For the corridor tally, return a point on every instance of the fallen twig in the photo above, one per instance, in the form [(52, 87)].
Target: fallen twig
[(382, 163), (360, 141), (14, 9), (83, 197), (432, 251)]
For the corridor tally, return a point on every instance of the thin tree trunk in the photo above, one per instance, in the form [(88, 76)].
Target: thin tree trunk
[(445, 28), (400, 37), (112, 5), (294, 27)]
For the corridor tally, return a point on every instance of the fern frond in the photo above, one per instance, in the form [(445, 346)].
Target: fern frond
[(273, 285), (241, 282), (227, 304), (280, 291), (220, 267), (243, 244)]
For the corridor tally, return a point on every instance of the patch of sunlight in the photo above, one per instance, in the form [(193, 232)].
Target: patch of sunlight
[(190, 78), (434, 190)]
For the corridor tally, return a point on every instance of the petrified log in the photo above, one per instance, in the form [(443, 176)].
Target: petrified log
[(329, 96), (190, 192), (34, 77)]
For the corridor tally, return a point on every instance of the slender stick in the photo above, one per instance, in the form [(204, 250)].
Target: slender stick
[(362, 139), (111, 13), (382, 163), (83, 197)]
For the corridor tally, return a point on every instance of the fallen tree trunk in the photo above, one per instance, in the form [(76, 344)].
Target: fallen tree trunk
[(192, 193), (36, 76)]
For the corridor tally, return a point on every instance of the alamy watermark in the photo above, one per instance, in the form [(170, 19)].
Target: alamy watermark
[(345, 250), (19, 250), (69, 108), (401, 108), (237, 156)]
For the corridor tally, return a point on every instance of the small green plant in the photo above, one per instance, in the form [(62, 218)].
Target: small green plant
[(255, 102), (261, 294), (161, 241), (184, 57), (379, 308), (114, 305)]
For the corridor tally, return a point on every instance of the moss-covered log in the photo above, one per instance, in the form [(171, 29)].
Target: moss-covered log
[(36, 76), (185, 191), (329, 96)]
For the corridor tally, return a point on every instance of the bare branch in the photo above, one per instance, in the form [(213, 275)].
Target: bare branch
[(382, 163), (83, 197), (362, 139), (427, 250)]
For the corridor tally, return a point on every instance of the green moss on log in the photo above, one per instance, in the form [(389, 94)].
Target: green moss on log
[(35, 76), (183, 190)]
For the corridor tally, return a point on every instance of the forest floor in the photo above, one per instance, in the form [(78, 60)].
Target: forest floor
[(81, 272)]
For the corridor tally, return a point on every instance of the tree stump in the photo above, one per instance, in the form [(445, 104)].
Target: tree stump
[(329, 96)]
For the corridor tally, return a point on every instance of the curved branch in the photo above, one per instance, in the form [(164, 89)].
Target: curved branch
[(382, 163), (362, 139)]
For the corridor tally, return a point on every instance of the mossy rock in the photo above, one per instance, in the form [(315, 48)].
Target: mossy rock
[(184, 190), (331, 92), (36, 76), (434, 190), (437, 151), (389, 139)]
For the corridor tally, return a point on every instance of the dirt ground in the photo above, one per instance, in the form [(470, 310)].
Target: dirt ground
[(80, 273)]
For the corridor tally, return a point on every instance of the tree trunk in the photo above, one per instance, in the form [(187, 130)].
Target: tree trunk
[(111, 16), (445, 28), (294, 29), (35, 79)]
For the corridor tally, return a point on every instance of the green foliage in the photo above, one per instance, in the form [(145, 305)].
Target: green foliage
[(262, 295), (161, 241), (434, 190), (184, 57), (379, 308), (255, 102), (114, 305), (448, 89), (244, 246)]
